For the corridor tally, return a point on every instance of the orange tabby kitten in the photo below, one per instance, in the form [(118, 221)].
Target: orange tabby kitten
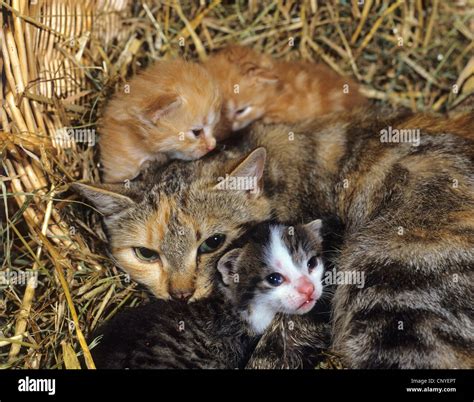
[(169, 112), (247, 83), (256, 86)]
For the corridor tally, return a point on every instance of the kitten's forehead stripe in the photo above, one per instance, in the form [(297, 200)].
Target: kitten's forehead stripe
[(280, 256)]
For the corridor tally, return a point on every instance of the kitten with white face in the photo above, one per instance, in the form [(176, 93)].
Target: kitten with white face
[(272, 269), (290, 268), (169, 111)]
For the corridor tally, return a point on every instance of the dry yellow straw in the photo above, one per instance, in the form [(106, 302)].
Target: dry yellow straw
[(29, 294)]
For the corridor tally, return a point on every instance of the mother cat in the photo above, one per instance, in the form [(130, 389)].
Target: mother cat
[(407, 213)]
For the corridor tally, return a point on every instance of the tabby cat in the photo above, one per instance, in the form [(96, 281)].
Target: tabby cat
[(271, 269), (405, 200)]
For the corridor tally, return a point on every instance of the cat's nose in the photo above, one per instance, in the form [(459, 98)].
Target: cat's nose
[(305, 287), (211, 144), (181, 295)]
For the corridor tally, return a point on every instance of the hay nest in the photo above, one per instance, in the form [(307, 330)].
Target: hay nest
[(62, 58)]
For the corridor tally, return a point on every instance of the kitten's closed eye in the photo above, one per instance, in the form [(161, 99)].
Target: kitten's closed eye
[(243, 111)]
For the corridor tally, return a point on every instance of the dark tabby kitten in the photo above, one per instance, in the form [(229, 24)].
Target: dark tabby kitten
[(402, 187), (272, 269)]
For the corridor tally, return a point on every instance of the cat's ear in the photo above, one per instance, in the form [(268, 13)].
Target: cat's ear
[(315, 227), (266, 77), (227, 266), (247, 176), (260, 74), (107, 201), (160, 105)]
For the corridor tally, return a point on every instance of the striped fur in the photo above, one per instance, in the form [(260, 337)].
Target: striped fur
[(216, 332), (408, 214), (161, 335), (407, 218)]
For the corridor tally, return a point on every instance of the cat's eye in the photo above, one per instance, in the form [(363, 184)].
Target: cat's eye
[(212, 243), (197, 132), (275, 279), (242, 111), (312, 263), (146, 254)]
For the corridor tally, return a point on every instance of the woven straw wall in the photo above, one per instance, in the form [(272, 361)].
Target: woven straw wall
[(49, 49)]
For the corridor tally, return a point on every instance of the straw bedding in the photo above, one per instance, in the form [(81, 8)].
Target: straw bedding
[(60, 61)]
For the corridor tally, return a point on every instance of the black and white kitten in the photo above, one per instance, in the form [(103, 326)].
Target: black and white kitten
[(272, 269)]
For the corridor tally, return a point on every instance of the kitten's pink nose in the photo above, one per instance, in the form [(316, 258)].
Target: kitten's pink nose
[(305, 287), (211, 144)]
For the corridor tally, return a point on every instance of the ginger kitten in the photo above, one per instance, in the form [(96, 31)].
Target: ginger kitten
[(169, 112), (256, 86), (247, 83), (309, 90)]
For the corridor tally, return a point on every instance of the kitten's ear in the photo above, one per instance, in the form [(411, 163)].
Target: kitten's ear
[(235, 53), (227, 266), (260, 74), (161, 105), (107, 201), (266, 77), (248, 175), (315, 227)]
